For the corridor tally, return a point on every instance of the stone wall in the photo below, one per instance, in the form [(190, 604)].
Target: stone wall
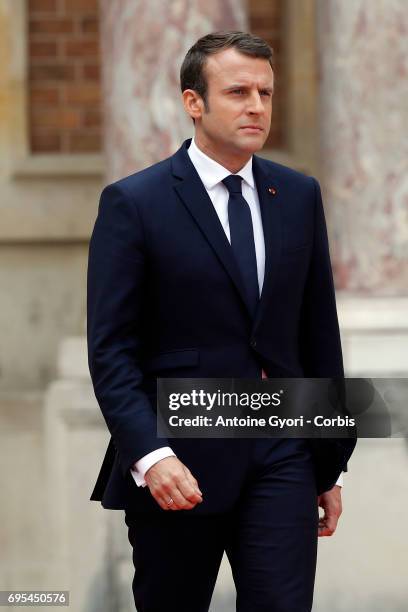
[(48, 203)]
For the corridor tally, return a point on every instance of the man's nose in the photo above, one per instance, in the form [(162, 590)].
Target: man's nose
[(255, 105)]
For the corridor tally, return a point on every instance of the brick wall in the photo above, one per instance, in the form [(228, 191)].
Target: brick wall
[(266, 20), (64, 83)]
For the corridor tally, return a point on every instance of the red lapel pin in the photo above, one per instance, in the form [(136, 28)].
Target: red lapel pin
[(272, 190)]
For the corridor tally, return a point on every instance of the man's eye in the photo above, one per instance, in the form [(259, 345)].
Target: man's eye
[(237, 91), (266, 93)]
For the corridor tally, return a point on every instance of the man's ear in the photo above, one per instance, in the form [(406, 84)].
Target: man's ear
[(193, 103)]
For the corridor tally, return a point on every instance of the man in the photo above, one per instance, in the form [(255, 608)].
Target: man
[(215, 263)]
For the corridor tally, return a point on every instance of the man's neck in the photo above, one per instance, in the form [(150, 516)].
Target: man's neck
[(233, 164)]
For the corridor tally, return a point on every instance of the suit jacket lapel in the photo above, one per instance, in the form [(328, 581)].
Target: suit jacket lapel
[(195, 198), (271, 201)]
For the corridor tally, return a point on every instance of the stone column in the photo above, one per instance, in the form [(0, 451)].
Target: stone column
[(364, 120), (143, 45), (363, 51)]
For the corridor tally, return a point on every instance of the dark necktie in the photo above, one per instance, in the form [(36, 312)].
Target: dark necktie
[(242, 238)]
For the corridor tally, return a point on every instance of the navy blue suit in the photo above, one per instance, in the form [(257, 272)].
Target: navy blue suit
[(165, 298)]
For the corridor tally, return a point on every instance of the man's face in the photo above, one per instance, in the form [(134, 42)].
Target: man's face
[(239, 101)]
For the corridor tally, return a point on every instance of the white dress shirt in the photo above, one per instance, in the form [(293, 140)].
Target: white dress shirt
[(212, 174)]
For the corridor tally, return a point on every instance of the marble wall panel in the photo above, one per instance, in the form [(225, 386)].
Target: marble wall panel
[(364, 123), (143, 46)]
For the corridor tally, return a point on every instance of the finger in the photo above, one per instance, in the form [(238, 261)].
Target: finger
[(179, 501), (192, 480), (324, 532), (326, 527), (166, 502), (163, 501), (189, 492), (331, 521), (164, 497), (163, 494)]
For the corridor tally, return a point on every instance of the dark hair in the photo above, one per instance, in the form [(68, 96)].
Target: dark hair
[(192, 75)]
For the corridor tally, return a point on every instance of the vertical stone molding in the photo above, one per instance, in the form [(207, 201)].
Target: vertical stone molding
[(78, 531), (143, 45), (364, 118)]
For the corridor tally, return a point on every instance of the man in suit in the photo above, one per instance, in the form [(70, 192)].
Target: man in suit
[(215, 263)]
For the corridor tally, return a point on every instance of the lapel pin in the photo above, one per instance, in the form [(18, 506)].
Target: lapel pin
[(272, 190)]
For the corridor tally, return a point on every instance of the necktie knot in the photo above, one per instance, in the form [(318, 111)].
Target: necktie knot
[(233, 183)]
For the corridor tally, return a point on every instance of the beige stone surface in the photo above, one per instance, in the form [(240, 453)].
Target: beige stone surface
[(23, 530), (47, 209), (42, 208), (374, 334), (362, 568), (51, 535), (43, 300)]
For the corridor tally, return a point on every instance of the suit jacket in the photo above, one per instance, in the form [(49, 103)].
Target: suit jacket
[(165, 298)]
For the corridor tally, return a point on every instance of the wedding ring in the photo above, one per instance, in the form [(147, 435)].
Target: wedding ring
[(171, 501)]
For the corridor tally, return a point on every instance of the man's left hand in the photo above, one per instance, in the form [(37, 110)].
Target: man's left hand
[(330, 501)]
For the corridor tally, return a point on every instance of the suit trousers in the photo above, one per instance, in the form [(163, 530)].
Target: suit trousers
[(269, 536)]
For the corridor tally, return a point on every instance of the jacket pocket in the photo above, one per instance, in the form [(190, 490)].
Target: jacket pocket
[(295, 248), (173, 359)]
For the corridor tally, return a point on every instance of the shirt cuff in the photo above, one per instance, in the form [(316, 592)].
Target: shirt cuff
[(340, 480), (140, 467)]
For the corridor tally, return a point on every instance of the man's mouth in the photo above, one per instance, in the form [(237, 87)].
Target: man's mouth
[(252, 128)]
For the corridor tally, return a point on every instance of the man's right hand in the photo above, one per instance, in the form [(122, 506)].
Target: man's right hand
[(169, 479)]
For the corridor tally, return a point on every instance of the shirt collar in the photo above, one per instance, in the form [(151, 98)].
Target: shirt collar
[(211, 172)]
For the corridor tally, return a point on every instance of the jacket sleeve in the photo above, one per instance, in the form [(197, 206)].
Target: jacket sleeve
[(320, 345), (116, 279)]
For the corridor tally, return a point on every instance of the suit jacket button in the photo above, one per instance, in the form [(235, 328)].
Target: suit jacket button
[(253, 343)]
